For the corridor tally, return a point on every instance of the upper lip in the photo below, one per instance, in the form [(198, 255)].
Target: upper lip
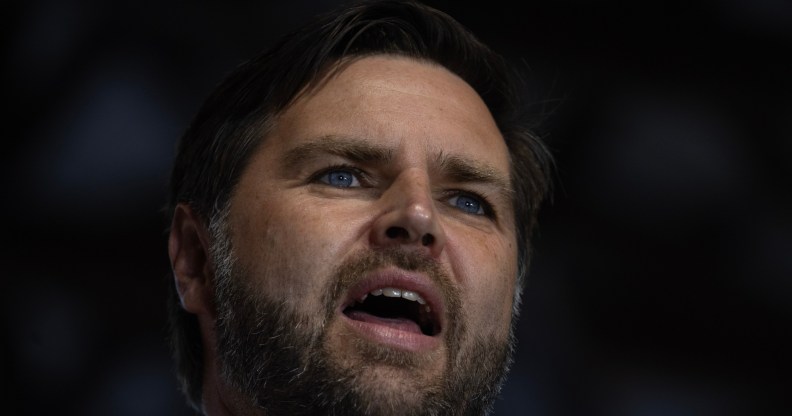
[(400, 279)]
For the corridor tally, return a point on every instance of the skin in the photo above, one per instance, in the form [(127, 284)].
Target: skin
[(290, 229)]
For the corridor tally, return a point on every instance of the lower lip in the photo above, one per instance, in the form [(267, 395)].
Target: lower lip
[(393, 337)]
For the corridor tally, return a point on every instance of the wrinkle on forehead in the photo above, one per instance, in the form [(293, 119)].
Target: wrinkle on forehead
[(394, 99), (388, 80), (384, 76)]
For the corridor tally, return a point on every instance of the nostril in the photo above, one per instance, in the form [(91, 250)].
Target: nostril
[(427, 239), (396, 232)]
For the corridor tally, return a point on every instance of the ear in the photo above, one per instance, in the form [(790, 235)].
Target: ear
[(188, 247)]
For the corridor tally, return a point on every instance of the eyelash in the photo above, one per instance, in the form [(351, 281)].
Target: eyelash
[(358, 173), (486, 207), (362, 177)]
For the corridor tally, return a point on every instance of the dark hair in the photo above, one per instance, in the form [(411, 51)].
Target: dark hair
[(216, 147)]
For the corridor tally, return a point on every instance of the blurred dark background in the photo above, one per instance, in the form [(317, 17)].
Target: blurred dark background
[(662, 281)]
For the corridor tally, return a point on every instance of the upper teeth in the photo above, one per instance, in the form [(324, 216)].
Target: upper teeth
[(392, 292)]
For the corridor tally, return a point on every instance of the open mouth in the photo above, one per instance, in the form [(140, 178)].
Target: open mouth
[(396, 308)]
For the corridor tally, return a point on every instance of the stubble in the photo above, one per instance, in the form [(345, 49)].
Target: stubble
[(285, 364)]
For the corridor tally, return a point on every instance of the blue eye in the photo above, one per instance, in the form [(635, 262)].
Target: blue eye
[(468, 203), (340, 178)]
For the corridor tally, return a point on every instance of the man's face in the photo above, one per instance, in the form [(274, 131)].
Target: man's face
[(375, 224)]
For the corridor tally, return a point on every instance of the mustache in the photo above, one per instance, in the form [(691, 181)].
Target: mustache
[(356, 267)]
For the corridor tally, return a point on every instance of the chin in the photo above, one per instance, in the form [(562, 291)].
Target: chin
[(385, 371)]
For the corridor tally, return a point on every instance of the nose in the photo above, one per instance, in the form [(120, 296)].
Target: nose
[(409, 216)]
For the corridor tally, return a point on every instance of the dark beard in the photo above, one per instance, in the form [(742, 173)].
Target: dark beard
[(277, 358)]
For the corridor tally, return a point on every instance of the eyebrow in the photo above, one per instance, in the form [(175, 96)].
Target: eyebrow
[(353, 149), (462, 169), (454, 167)]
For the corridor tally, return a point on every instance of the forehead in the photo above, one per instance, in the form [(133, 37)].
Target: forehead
[(399, 103)]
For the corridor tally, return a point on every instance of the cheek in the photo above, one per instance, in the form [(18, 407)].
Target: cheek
[(489, 275), (292, 247)]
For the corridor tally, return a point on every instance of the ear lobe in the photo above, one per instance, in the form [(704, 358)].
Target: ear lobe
[(188, 248)]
